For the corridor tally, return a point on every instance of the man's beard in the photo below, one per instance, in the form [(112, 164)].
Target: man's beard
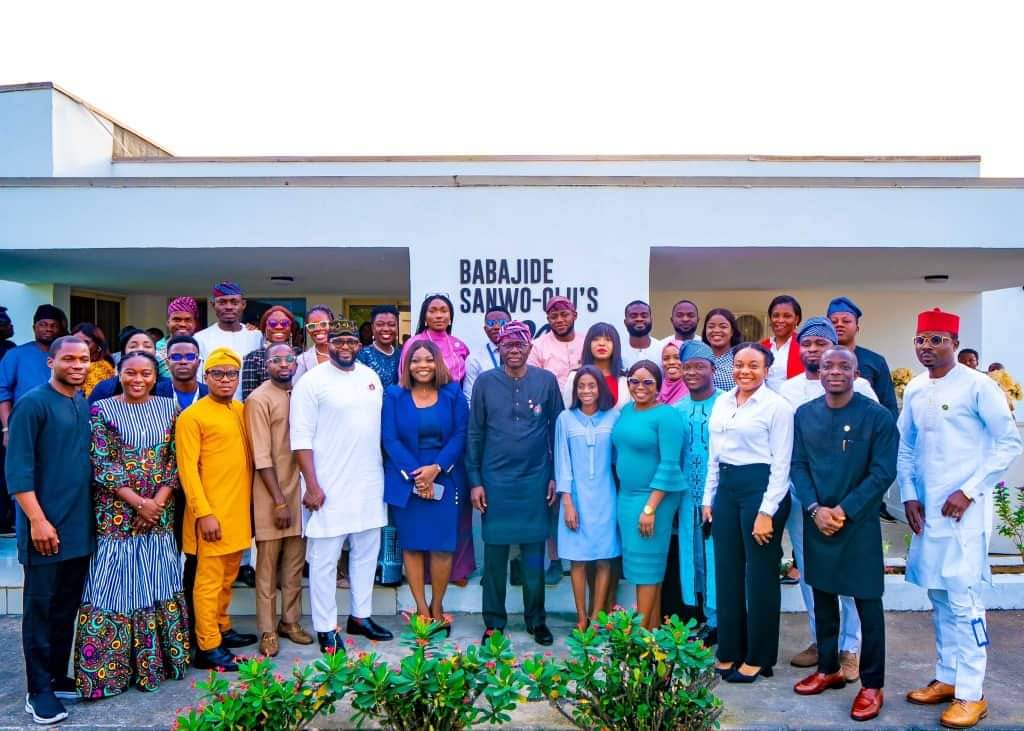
[(812, 367), (639, 332), (336, 357)]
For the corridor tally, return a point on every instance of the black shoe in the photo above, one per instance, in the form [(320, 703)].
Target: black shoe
[(330, 641), (65, 689), (368, 628), (247, 576), (45, 708), (541, 634), (708, 635), (218, 659), (515, 572), (231, 639), (737, 677), (724, 673)]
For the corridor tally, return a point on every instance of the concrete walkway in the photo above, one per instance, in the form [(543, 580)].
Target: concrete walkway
[(768, 704)]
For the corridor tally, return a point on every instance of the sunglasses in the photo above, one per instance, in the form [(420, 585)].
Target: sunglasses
[(321, 325), (279, 359), (183, 357), (345, 342), (279, 324), (641, 381), (933, 340), (219, 375), (499, 322)]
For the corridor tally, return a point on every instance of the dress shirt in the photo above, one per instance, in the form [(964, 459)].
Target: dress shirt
[(798, 390), (778, 373), (631, 355), (477, 363), (758, 432), (557, 356)]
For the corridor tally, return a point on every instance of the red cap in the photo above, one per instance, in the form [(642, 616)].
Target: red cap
[(939, 321), (559, 303)]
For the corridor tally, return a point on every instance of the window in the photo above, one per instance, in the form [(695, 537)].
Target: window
[(99, 309)]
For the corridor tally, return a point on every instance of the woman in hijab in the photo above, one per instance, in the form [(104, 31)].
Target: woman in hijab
[(672, 387)]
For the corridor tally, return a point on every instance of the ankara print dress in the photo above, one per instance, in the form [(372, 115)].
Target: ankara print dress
[(133, 621)]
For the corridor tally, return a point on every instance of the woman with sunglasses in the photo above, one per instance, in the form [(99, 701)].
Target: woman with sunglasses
[(648, 440), (435, 325), (318, 326), (276, 324)]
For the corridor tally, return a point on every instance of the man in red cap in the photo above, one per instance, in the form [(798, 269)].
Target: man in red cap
[(956, 438)]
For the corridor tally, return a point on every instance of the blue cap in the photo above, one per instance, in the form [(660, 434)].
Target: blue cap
[(817, 327), (693, 349), (843, 304)]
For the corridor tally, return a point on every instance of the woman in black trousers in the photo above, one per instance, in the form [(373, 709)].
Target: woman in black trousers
[(747, 496)]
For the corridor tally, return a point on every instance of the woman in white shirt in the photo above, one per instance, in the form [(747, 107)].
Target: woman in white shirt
[(747, 495), (785, 315), (318, 325)]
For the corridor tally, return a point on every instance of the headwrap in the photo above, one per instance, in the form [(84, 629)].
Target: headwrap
[(227, 289), (695, 349), (222, 357), (515, 330), (559, 303), (4, 317), (343, 328), (48, 312), (183, 304), (843, 304), (672, 391), (818, 327), (939, 321)]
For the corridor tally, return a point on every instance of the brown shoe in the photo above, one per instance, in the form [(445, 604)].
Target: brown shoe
[(932, 694), (295, 633), (849, 664), (964, 714), (819, 682), (268, 644), (806, 659), (867, 704)]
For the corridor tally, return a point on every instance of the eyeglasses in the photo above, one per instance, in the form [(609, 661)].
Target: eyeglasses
[(641, 381), (500, 322), (433, 295), (345, 342), (279, 359), (933, 340), (186, 357), (321, 325), (219, 375), (280, 324), (513, 345)]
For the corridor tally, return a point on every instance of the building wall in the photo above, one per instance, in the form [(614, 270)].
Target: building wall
[(21, 301), (1001, 340), (26, 134), (82, 141)]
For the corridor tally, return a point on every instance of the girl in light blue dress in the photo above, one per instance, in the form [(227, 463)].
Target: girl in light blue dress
[(587, 529)]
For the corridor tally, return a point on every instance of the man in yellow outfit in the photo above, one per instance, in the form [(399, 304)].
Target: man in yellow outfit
[(215, 469)]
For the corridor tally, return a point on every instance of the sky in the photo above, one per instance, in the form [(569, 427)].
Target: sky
[(396, 78)]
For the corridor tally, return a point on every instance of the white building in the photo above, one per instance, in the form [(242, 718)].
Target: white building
[(98, 219)]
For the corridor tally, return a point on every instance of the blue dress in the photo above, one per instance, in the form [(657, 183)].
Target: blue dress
[(583, 469), (413, 437)]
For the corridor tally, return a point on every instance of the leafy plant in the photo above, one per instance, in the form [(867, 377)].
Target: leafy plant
[(437, 687), (619, 675), (264, 699), (1011, 519)]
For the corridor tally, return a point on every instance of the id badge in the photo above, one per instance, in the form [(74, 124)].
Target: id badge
[(980, 632)]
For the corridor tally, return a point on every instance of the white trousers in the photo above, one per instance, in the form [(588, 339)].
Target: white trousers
[(849, 620), (322, 555), (961, 637)]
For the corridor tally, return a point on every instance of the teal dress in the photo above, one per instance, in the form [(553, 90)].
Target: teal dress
[(647, 448)]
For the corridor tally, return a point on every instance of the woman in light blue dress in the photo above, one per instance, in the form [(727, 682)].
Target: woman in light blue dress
[(587, 529)]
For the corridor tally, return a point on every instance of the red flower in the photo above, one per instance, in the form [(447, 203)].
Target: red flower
[(331, 650)]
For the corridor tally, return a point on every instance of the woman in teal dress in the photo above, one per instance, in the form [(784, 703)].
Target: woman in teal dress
[(648, 439)]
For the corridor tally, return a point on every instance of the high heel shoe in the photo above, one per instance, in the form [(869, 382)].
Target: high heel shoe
[(725, 672), (737, 677)]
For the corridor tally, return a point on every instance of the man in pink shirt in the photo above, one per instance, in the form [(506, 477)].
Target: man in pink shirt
[(559, 350)]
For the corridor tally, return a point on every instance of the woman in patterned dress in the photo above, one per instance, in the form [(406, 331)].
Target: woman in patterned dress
[(133, 621)]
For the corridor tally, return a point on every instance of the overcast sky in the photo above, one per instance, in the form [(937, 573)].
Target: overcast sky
[(304, 78)]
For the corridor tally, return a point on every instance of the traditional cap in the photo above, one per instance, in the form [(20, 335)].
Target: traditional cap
[(343, 328), (227, 289), (222, 357), (48, 312), (694, 350), (818, 327), (939, 321), (183, 304), (843, 304), (515, 330), (559, 303)]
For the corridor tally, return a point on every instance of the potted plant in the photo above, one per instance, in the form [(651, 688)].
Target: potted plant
[(619, 675), (1011, 518)]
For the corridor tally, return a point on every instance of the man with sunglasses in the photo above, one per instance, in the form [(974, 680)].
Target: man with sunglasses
[(956, 437), (482, 361), (182, 354), (229, 332), (335, 435)]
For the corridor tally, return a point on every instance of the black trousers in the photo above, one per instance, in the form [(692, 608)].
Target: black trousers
[(872, 645), (52, 594), (495, 582), (746, 573), (6, 502)]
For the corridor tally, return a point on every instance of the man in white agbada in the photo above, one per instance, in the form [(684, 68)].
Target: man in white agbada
[(815, 336), (335, 434), (956, 438)]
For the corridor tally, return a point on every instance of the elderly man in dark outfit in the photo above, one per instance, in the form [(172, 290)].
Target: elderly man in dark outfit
[(844, 459), (49, 474), (509, 462)]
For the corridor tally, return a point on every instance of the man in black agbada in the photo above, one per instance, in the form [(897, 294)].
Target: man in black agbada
[(844, 459), (49, 474)]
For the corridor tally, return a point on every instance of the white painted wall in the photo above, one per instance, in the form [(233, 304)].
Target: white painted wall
[(1001, 338), (21, 301), (82, 141), (26, 134)]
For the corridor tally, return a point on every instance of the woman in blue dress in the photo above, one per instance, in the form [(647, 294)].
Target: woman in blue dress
[(648, 440), (423, 431), (587, 531)]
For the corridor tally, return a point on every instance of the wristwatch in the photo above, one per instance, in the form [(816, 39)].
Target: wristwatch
[(648, 510)]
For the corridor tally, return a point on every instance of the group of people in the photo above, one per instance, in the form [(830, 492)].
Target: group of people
[(610, 452)]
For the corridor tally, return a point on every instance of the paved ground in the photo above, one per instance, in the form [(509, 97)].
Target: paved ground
[(768, 704)]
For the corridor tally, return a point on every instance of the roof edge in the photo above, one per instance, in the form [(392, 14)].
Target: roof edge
[(562, 158)]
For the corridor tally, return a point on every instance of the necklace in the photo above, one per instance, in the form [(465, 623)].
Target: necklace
[(388, 354)]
